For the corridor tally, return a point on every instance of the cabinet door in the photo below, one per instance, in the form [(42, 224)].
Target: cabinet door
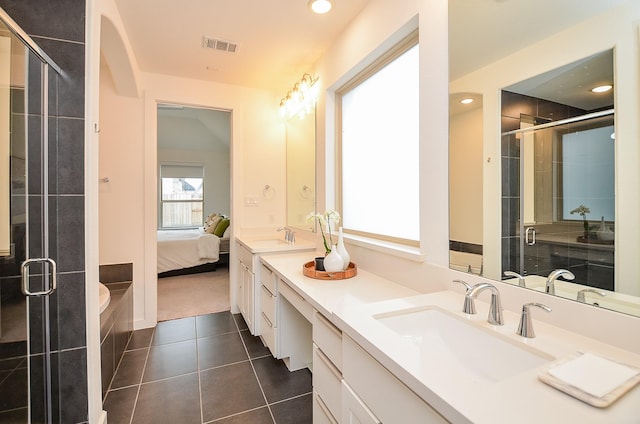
[(240, 288), (247, 301), (354, 410)]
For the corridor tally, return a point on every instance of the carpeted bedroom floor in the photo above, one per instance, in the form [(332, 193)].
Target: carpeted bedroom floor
[(191, 295)]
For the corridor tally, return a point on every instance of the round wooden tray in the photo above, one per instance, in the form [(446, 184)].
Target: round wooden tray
[(309, 270)]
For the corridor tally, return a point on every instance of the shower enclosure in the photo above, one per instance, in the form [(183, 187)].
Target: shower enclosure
[(558, 198), (28, 101)]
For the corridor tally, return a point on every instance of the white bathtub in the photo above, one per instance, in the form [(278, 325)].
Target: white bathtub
[(105, 297)]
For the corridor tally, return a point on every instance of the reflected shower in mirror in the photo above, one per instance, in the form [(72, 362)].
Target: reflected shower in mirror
[(550, 145), (301, 170)]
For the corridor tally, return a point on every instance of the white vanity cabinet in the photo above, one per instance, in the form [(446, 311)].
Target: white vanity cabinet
[(285, 321), (327, 370), (248, 281), (371, 394), (246, 285)]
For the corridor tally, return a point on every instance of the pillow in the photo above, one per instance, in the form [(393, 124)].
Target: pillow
[(211, 224), (221, 227)]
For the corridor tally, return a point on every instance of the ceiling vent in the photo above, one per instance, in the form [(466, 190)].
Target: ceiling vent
[(220, 44)]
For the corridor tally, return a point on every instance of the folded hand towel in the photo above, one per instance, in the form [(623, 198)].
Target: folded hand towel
[(593, 374)]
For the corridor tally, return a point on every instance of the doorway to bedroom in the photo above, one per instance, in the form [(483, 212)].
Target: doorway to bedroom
[(194, 204)]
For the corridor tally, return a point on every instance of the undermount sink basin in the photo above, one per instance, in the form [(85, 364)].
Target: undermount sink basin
[(451, 342)]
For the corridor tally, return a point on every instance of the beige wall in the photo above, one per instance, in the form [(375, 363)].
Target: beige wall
[(465, 177)]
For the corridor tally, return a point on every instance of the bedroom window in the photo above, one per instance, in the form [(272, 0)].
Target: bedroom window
[(378, 151), (182, 196)]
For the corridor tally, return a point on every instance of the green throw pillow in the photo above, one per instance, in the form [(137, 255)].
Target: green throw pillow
[(221, 227)]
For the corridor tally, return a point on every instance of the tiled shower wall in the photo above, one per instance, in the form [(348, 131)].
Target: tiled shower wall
[(58, 27), (514, 106)]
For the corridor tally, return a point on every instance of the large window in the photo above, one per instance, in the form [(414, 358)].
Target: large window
[(181, 200), (379, 148)]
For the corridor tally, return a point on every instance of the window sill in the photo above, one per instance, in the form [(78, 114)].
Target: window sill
[(411, 253)]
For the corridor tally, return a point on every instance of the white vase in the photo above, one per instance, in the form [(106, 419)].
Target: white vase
[(333, 261), (342, 251)]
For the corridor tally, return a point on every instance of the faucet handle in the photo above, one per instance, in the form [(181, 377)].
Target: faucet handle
[(520, 278), (581, 294), (469, 306), (525, 328)]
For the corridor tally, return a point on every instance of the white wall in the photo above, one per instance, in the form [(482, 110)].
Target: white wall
[(377, 28), (128, 156), (120, 157)]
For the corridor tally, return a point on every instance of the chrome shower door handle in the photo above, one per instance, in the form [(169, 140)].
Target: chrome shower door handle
[(24, 271), (530, 236)]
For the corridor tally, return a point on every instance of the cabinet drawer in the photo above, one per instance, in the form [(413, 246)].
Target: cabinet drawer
[(268, 334), (245, 256), (321, 414), (268, 278), (268, 305), (328, 338), (387, 397), (327, 381), (296, 300)]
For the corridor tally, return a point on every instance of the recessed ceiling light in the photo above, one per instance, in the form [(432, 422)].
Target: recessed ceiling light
[(320, 6), (602, 88), (466, 101)]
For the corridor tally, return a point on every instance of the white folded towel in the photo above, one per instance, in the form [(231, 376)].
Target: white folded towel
[(593, 374)]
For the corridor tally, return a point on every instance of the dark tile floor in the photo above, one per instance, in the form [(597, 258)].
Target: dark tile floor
[(205, 369)]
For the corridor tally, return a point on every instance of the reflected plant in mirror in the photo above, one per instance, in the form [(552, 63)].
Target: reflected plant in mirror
[(545, 153)]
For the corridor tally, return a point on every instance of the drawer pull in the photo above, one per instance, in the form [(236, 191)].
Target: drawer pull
[(334, 370), (267, 319), (267, 290), (325, 409), (329, 324)]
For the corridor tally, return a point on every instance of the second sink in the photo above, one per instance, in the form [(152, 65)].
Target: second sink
[(448, 340)]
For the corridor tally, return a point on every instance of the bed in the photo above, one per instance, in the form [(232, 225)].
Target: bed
[(189, 250)]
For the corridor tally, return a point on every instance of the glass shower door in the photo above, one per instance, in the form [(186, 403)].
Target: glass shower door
[(27, 277), (563, 205)]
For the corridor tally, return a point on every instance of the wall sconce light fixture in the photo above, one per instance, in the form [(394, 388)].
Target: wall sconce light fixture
[(301, 99)]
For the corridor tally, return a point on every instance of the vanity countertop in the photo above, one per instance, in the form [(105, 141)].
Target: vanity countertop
[(354, 303), (331, 296), (275, 243), (521, 398)]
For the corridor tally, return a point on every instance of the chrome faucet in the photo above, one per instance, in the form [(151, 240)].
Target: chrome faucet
[(469, 306), (495, 310), (581, 293), (289, 234), (520, 278), (525, 328), (550, 286)]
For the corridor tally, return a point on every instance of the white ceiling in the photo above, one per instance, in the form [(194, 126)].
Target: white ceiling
[(278, 40)]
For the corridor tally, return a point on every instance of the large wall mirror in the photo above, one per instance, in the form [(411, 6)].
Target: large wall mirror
[(301, 170), (543, 172)]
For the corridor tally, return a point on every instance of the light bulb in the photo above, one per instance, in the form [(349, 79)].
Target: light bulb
[(602, 88), (320, 6)]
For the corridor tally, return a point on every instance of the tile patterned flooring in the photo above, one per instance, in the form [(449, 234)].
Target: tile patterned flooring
[(205, 369)]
